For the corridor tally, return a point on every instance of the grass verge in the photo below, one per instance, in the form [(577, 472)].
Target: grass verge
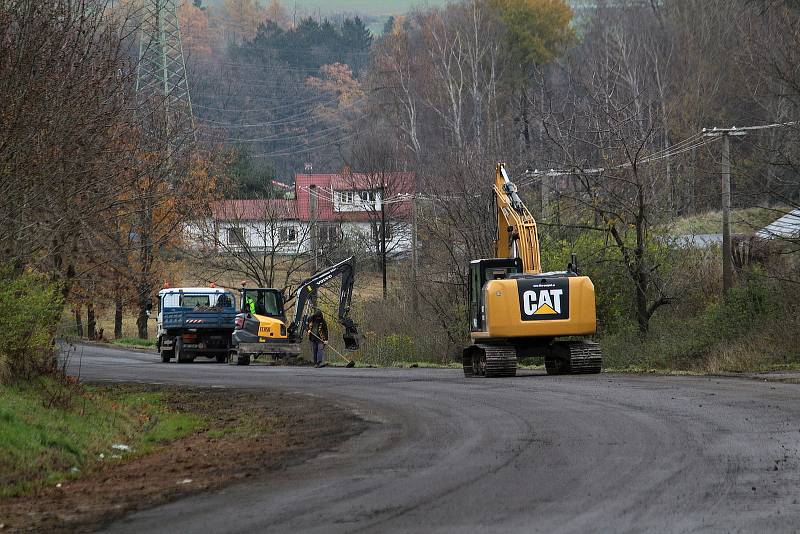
[(195, 439), (135, 342), (52, 431), (743, 220)]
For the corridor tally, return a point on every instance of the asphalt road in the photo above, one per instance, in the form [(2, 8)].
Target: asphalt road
[(603, 453)]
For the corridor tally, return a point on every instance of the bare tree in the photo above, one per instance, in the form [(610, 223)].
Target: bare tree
[(382, 190), (257, 239), (612, 112)]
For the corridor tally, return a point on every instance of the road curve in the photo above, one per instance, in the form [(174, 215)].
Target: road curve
[(603, 453)]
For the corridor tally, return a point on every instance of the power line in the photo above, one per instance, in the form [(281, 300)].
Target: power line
[(283, 137), (288, 120), (721, 131), (259, 110), (695, 141), (288, 152)]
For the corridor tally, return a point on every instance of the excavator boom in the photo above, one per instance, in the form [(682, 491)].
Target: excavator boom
[(308, 291), (517, 236)]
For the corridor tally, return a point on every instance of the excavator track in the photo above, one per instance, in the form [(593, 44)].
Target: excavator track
[(574, 357), (491, 361)]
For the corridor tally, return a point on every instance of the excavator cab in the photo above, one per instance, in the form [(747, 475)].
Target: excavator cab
[(262, 301), (480, 272)]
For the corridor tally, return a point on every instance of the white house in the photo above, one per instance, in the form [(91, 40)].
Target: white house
[(345, 206)]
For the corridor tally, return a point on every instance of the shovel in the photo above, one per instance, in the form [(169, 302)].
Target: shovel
[(350, 363)]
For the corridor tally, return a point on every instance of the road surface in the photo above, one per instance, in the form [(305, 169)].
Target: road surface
[(603, 453)]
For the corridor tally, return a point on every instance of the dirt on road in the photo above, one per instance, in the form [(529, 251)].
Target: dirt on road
[(246, 434)]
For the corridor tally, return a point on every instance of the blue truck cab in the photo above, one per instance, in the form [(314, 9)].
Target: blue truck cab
[(195, 321)]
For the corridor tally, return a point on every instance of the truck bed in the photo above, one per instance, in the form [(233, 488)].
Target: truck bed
[(184, 318)]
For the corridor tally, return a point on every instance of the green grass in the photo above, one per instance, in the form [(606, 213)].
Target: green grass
[(50, 432), (743, 221), (136, 342)]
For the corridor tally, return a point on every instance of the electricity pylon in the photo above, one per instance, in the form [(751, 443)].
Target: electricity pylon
[(161, 84)]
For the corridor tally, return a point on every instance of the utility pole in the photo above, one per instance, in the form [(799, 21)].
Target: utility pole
[(383, 238), (727, 251), (414, 296), (545, 192), (314, 237)]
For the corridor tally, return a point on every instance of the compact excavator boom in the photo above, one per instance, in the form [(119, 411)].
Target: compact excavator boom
[(517, 311)]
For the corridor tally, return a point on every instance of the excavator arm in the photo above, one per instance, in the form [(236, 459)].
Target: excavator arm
[(517, 236), (308, 290)]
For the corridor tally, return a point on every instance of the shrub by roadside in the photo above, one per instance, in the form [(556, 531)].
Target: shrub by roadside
[(30, 307), (755, 328)]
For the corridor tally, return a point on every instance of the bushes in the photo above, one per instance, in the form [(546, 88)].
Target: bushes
[(393, 333), (754, 327), (30, 307)]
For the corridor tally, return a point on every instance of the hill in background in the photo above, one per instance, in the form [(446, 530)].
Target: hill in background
[(365, 7), (375, 13)]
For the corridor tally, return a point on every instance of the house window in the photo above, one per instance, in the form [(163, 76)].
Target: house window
[(345, 197), (288, 234), (328, 233), (236, 236), (368, 196)]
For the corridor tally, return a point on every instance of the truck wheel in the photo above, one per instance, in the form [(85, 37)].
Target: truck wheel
[(166, 356), (243, 359), (180, 352), (222, 358)]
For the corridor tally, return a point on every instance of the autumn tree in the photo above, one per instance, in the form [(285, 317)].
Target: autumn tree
[(257, 239), (536, 33), (382, 190), (277, 13), (65, 82), (610, 110), (337, 80), (240, 20), (196, 35)]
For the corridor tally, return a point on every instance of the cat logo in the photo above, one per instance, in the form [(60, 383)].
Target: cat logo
[(542, 300)]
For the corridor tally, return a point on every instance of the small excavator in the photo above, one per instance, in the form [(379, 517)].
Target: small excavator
[(517, 311), (262, 328)]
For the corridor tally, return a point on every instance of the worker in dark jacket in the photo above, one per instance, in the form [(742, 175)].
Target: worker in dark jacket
[(318, 335)]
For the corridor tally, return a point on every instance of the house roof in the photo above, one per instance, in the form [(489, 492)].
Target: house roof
[(254, 209), (397, 185), (787, 226), (395, 182), (325, 184)]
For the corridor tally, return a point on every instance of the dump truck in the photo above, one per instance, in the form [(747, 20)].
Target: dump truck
[(195, 321)]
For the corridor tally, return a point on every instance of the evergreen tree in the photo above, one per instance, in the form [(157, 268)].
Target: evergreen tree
[(388, 25), (250, 178)]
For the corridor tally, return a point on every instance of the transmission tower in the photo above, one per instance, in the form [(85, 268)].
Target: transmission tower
[(161, 83)]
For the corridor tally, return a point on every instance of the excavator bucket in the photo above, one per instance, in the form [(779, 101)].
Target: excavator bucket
[(350, 336)]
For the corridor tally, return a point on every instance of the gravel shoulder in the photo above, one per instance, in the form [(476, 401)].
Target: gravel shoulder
[(607, 453)]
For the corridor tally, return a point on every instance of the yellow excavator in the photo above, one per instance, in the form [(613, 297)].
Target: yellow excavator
[(517, 311), (261, 327)]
